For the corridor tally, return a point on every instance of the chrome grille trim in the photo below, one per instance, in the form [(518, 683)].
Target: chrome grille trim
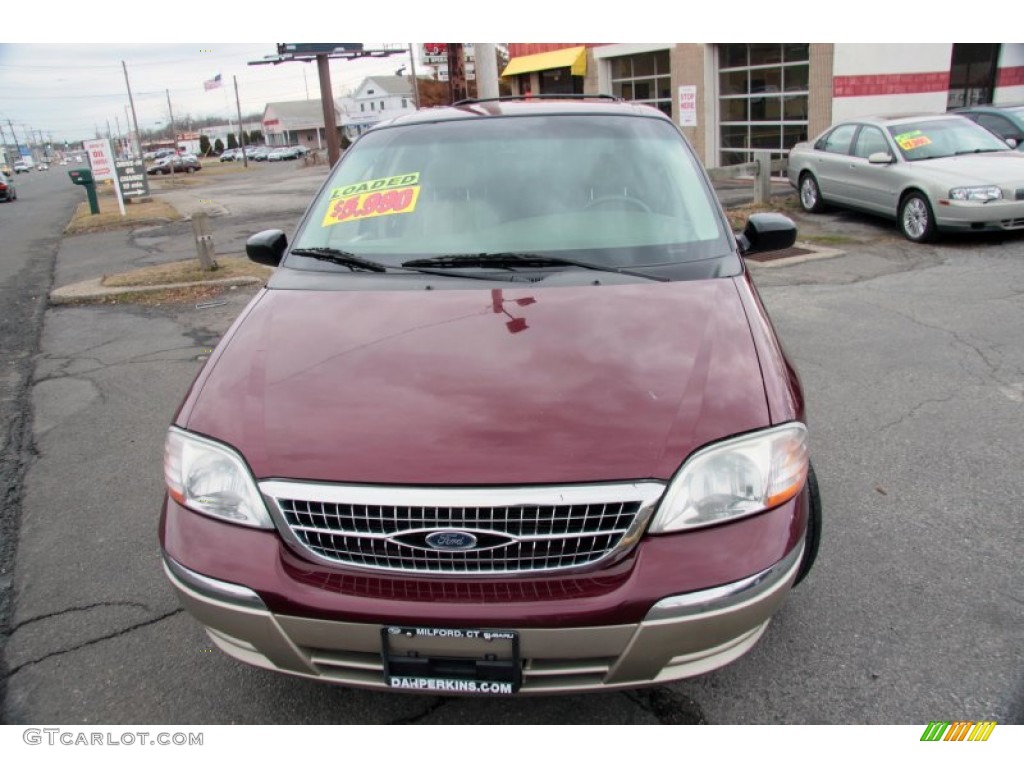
[(529, 530)]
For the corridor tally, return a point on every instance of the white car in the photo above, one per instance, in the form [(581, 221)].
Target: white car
[(928, 172)]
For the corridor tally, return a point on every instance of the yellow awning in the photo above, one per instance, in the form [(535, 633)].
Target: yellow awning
[(574, 58)]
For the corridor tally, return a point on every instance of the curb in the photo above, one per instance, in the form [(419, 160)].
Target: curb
[(94, 289)]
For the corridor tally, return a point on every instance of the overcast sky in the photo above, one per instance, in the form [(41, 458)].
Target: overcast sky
[(70, 90)]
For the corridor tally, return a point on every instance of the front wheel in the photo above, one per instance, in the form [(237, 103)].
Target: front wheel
[(915, 218), (813, 527), (810, 194)]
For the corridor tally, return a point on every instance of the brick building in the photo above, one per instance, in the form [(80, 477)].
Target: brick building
[(743, 96)]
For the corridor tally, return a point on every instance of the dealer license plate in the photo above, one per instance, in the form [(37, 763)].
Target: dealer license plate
[(442, 660)]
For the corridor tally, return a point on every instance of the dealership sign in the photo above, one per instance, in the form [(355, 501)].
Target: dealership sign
[(437, 53)]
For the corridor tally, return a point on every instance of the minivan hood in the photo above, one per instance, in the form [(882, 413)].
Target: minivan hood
[(515, 385)]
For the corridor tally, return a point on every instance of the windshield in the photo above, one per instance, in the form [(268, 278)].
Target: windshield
[(614, 191), (943, 138)]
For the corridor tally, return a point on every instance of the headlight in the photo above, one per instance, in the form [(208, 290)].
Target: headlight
[(212, 479), (981, 194), (735, 478)]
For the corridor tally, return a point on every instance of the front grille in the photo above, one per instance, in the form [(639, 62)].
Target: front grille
[(513, 537)]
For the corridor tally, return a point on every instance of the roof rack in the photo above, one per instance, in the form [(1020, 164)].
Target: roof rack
[(524, 97)]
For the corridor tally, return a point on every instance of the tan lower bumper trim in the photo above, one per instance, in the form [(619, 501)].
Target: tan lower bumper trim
[(554, 660)]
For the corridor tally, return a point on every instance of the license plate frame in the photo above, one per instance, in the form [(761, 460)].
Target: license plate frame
[(451, 660)]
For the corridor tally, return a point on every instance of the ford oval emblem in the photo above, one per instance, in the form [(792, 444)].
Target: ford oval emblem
[(451, 540)]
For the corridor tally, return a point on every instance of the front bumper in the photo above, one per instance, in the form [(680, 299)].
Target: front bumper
[(680, 605), (681, 636), (1005, 214)]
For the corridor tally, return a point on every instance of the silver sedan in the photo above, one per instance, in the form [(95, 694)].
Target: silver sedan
[(928, 172)]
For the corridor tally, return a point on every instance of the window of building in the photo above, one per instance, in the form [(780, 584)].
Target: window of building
[(362, 107), (762, 98), (972, 74), (405, 103), (644, 78), (559, 81)]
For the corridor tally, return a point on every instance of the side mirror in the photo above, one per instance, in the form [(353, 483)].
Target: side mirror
[(767, 232), (880, 158), (1013, 143), (267, 247)]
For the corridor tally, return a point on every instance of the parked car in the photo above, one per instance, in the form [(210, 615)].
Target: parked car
[(6, 170), (544, 437), (7, 190), (229, 155), (287, 153), (260, 153), (929, 172), (1005, 122), (181, 164), (43, 166), (20, 166)]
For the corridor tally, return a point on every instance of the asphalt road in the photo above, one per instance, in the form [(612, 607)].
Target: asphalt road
[(914, 372)]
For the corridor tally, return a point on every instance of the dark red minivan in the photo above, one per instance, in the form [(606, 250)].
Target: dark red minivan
[(508, 417)]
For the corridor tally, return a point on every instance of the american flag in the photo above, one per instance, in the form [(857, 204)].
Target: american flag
[(211, 84)]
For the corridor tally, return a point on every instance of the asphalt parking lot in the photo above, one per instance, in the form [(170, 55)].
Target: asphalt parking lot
[(913, 367)]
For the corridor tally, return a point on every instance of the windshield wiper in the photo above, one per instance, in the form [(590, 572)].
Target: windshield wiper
[(508, 260), (353, 262), (344, 258), (976, 151)]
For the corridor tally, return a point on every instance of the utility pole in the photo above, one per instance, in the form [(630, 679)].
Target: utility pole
[(241, 128), (456, 73), (323, 66), (415, 82), (135, 120), (120, 143), (486, 71), (174, 133)]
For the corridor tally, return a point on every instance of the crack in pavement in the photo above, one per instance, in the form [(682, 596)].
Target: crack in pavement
[(913, 411), (431, 708), (13, 671), (668, 706), (957, 337), (76, 608)]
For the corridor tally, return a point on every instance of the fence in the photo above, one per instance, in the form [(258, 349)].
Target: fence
[(761, 169)]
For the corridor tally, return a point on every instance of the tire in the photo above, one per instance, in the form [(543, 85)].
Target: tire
[(810, 194), (916, 220), (813, 539)]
